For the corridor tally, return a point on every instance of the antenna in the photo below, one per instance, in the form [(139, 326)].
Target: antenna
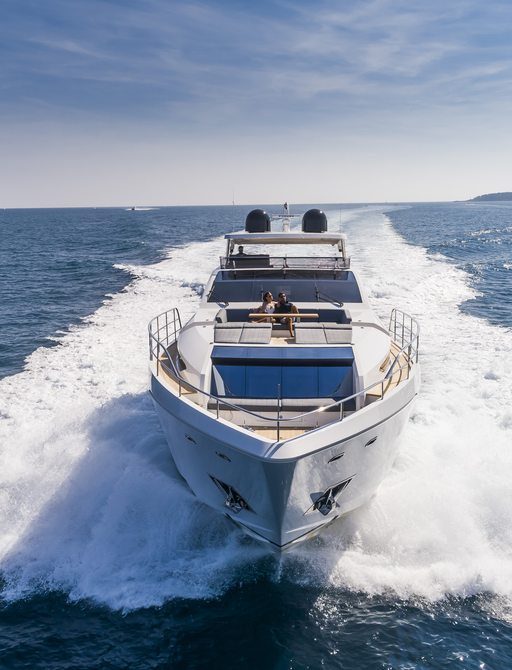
[(286, 220), (285, 217)]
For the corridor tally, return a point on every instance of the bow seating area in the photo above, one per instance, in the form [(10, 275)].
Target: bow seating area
[(327, 326)]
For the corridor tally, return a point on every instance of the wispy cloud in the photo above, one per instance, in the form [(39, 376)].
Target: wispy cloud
[(218, 61)]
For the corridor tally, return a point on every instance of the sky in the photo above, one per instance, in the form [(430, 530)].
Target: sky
[(157, 102)]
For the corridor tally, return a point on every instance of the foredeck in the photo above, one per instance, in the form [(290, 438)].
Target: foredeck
[(399, 375), (250, 417), (285, 418)]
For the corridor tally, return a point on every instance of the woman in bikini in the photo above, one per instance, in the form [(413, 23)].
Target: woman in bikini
[(267, 307)]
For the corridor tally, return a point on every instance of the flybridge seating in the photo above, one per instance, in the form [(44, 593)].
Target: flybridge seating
[(284, 262), (237, 265), (245, 261)]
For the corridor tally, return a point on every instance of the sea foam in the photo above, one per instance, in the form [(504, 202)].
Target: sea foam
[(91, 504), (440, 523)]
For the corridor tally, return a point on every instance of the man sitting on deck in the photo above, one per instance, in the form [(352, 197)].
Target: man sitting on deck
[(285, 307)]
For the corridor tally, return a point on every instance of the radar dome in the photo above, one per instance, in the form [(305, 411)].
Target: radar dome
[(257, 221), (314, 221)]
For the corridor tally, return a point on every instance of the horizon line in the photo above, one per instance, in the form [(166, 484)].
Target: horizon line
[(241, 204)]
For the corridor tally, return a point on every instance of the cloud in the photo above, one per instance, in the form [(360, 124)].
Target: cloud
[(280, 62)]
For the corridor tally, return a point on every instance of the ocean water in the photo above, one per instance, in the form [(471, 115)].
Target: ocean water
[(107, 561)]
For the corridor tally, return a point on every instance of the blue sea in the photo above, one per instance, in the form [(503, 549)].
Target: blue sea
[(107, 560)]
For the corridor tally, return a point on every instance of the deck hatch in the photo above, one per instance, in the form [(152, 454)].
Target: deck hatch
[(272, 379)]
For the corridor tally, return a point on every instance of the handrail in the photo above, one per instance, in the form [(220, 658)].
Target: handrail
[(291, 315), (254, 262), (403, 329)]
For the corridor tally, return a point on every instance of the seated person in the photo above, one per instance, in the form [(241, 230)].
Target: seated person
[(285, 307), (240, 252), (267, 307)]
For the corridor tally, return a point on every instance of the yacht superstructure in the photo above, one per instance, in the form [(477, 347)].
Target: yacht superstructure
[(286, 421)]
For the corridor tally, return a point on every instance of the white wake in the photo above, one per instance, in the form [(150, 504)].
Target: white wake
[(440, 524), (90, 503)]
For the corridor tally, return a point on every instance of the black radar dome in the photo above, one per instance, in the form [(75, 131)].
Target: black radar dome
[(257, 221), (314, 221)]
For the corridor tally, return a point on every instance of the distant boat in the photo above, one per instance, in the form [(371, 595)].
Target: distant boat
[(140, 209)]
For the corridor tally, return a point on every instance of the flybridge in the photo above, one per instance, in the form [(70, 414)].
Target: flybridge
[(258, 232)]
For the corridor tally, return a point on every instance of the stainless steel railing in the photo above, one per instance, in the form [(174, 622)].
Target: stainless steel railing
[(167, 324), (262, 262), (404, 330)]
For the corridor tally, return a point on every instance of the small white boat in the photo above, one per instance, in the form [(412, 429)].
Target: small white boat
[(284, 422)]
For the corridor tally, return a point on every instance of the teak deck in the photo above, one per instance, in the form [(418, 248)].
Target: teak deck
[(271, 433)]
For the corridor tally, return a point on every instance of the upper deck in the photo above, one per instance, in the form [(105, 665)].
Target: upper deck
[(307, 275), (286, 240)]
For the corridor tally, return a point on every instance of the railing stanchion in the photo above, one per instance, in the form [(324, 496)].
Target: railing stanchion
[(278, 411)]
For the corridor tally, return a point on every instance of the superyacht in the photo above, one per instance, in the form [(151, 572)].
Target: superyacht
[(283, 397)]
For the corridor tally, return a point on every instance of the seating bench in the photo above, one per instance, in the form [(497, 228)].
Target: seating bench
[(242, 333), (323, 333)]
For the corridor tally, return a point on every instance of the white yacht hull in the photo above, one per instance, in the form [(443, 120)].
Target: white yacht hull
[(281, 481)]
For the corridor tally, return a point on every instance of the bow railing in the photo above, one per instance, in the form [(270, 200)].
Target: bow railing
[(404, 330)]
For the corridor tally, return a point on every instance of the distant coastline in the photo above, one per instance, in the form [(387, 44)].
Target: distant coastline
[(492, 197)]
